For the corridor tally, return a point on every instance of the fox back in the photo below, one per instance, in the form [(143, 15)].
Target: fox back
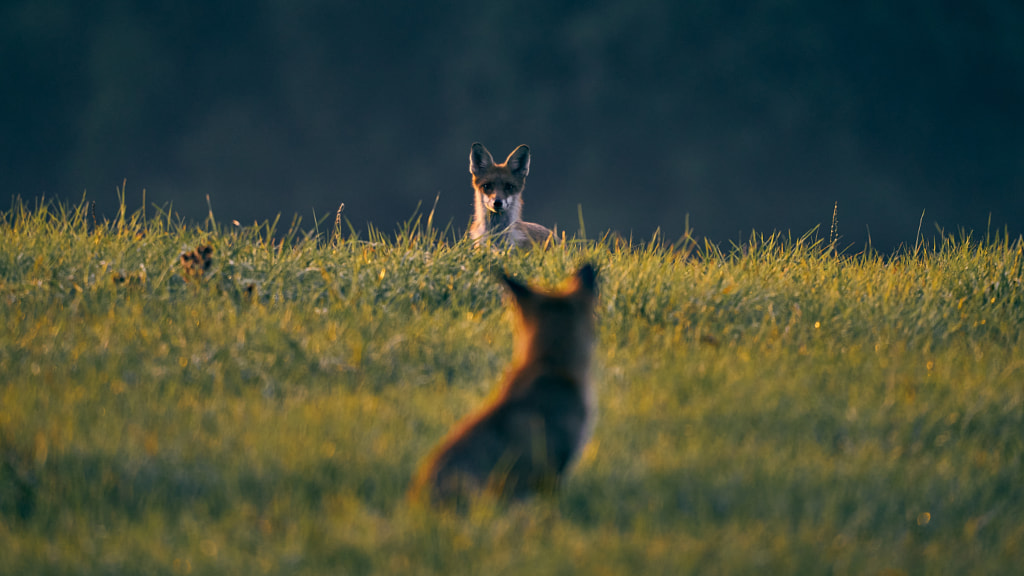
[(526, 439), (498, 198)]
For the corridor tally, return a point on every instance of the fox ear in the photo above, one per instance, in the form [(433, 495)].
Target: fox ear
[(479, 159), (519, 290), (519, 161), (586, 279)]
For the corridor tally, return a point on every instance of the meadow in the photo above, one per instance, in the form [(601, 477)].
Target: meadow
[(259, 408)]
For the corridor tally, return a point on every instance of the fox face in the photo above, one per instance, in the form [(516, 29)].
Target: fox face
[(498, 186)]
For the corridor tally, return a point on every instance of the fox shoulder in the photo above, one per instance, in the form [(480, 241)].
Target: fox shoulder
[(535, 233)]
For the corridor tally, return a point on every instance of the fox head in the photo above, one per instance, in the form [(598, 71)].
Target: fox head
[(556, 328), (498, 186)]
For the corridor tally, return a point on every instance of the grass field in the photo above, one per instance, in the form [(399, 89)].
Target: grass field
[(776, 408)]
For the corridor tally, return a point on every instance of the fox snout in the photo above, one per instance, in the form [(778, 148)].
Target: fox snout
[(495, 203)]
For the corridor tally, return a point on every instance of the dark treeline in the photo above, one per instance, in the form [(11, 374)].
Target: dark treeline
[(741, 114)]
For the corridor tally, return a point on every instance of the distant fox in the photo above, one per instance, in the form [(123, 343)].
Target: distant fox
[(524, 441), (498, 203)]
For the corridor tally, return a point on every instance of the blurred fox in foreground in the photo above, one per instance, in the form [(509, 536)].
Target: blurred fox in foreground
[(524, 441), (498, 203)]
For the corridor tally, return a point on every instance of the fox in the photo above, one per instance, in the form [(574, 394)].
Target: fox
[(525, 440), (498, 199)]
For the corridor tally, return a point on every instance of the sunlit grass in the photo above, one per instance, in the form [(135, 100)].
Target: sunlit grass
[(777, 408)]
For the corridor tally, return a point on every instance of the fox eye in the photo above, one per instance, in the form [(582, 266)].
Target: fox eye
[(508, 187), (487, 187)]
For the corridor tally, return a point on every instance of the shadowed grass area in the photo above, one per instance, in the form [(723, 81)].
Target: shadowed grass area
[(778, 408)]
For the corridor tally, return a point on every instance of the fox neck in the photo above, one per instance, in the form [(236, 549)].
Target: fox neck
[(570, 356), (486, 222)]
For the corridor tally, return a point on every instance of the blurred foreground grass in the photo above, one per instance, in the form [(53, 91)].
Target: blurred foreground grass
[(776, 409)]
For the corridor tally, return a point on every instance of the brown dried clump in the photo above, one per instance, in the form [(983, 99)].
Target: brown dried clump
[(195, 263)]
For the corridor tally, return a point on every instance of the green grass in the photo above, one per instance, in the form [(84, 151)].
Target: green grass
[(774, 409)]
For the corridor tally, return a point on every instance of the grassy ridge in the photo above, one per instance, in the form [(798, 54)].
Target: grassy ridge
[(778, 408)]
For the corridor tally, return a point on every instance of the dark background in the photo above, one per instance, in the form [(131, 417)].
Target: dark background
[(744, 115)]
